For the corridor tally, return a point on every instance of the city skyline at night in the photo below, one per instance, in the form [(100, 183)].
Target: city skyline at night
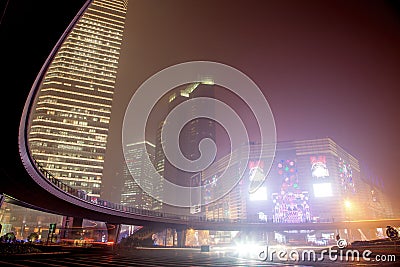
[(200, 133)]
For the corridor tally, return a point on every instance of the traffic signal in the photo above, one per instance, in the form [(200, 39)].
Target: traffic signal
[(52, 228)]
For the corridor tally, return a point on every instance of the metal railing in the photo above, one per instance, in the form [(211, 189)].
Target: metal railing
[(81, 194)]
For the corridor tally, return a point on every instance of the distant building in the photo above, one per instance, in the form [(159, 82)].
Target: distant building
[(310, 180), (132, 194), (23, 221), (70, 120), (190, 136)]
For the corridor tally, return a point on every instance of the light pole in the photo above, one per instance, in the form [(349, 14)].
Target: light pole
[(348, 206)]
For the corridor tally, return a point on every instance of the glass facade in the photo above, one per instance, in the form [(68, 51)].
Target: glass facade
[(189, 137), (132, 194), (70, 121), (23, 221)]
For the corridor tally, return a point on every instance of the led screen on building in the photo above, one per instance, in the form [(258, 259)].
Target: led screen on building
[(260, 194), (318, 167), (256, 175), (290, 203), (209, 187), (346, 177), (323, 190)]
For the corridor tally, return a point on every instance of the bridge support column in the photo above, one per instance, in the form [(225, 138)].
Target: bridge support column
[(271, 238), (113, 232), (77, 222), (173, 233), (71, 227), (181, 237)]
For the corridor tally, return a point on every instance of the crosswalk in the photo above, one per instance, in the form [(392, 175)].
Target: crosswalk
[(123, 261), (148, 258), (140, 257)]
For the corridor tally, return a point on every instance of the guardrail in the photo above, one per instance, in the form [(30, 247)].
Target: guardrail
[(81, 194)]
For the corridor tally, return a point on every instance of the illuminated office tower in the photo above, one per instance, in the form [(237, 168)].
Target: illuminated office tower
[(70, 122), (132, 194)]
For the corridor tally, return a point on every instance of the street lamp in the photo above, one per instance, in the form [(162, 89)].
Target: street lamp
[(347, 204)]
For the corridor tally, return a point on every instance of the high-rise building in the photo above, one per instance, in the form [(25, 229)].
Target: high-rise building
[(159, 157), (70, 122), (189, 137), (310, 180), (132, 194), (193, 132)]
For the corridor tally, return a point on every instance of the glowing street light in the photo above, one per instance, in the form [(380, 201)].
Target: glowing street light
[(347, 204)]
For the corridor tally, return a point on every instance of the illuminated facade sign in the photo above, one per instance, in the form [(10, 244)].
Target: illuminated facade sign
[(260, 194), (323, 190), (291, 203), (346, 176), (318, 167)]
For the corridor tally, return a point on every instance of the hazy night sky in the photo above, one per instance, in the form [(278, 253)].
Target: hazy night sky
[(327, 68)]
